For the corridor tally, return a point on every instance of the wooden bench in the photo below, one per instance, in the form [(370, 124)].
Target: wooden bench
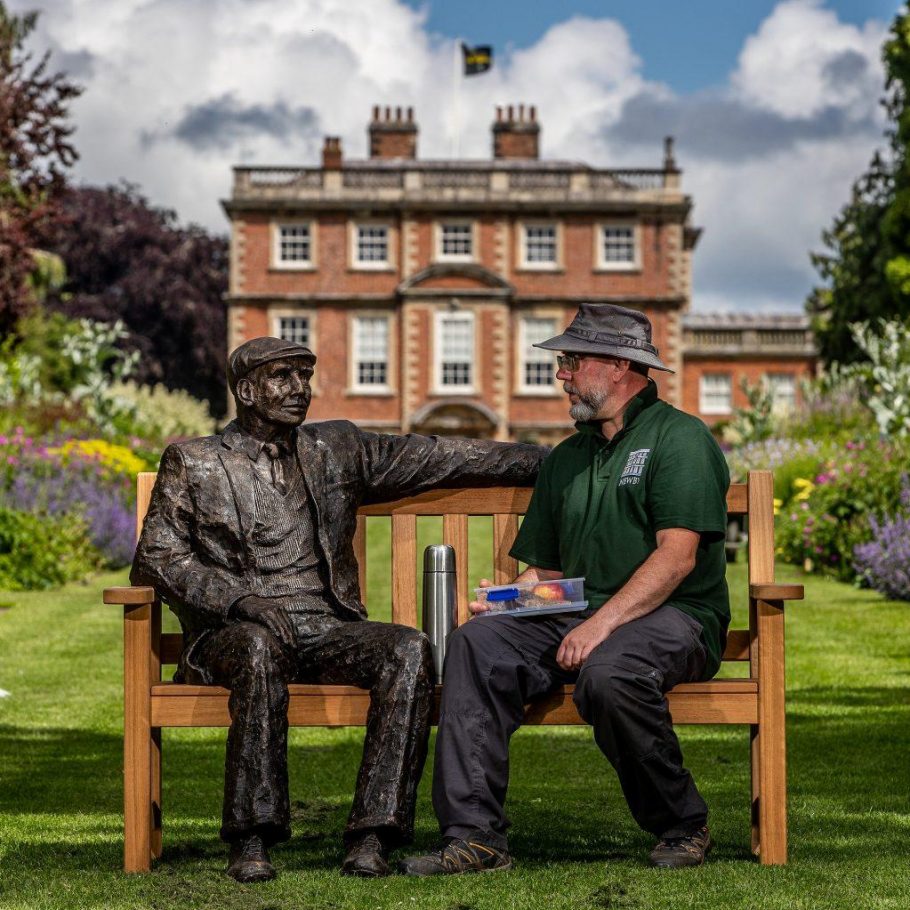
[(756, 699)]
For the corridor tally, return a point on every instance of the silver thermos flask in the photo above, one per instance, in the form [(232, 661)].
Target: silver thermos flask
[(438, 600)]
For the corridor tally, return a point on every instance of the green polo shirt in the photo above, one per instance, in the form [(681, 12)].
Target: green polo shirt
[(598, 505)]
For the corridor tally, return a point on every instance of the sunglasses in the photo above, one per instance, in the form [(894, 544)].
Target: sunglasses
[(571, 362)]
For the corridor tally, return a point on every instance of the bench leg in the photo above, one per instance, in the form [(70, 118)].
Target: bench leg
[(772, 738), (137, 740), (156, 843), (756, 784)]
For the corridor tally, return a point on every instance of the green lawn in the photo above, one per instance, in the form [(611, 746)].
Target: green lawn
[(575, 845)]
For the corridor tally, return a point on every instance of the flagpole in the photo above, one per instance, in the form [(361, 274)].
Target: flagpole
[(456, 98)]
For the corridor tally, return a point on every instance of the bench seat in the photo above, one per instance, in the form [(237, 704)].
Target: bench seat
[(719, 701)]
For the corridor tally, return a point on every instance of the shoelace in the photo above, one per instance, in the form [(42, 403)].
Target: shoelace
[(369, 843)]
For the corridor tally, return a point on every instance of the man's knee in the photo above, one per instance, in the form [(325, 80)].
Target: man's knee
[(254, 648), (412, 651), (611, 689)]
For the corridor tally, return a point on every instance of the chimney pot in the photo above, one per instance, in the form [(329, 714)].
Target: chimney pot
[(669, 159), (391, 135), (331, 154), (516, 137)]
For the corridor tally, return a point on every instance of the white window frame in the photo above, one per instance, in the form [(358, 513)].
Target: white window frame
[(354, 382), (439, 387), (441, 225), (543, 266), (298, 265), (774, 381), (523, 360), (277, 313), (624, 265), (705, 406), (370, 264)]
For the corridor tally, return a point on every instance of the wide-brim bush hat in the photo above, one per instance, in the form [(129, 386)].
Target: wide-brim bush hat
[(609, 330), (257, 351)]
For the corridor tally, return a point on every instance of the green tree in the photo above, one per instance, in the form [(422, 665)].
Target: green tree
[(866, 267)]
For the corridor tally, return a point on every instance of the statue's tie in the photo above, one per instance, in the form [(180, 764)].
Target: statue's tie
[(275, 451)]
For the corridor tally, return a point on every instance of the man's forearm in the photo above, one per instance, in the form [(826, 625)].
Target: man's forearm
[(651, 584)]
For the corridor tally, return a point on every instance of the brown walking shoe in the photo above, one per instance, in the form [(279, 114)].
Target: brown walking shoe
[(679, 852), (367, 857), (455, 856), (249, 861)]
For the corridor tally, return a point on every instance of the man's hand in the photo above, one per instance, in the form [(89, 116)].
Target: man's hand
[(477, 606), (267, 613), (581, 641)]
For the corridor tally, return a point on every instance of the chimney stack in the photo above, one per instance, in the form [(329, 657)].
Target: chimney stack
[(393, 133), (516, 133), (331, 154)]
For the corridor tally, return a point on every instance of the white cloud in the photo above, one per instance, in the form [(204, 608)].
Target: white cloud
[(178, 91), (803, 59)]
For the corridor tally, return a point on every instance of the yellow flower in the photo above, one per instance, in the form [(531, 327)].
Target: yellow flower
[(805, 488), (777, 504), (118, 459)]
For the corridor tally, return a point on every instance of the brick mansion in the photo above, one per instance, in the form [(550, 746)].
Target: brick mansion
[(421, 285)]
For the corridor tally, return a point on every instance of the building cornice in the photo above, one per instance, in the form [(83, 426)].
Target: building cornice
[(540, 205)]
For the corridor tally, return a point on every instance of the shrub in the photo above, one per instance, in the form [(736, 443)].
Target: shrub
[(40, 551), (886, 376), (831, 407), (159, 413), (756, 421), (884, 562), (92, 479), (830, 514), (789, 459)]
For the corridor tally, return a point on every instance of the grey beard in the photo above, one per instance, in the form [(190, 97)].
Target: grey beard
[(587, 407)]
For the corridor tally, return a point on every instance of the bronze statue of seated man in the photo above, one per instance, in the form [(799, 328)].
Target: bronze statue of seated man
[(249, 540)]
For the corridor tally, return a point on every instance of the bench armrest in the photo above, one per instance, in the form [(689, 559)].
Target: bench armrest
[(129, 596), (776, 592)]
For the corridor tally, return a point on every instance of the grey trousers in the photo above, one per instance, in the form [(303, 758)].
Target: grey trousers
[(497, 664), (392, 661)]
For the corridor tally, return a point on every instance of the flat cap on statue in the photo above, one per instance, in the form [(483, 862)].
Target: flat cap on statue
[(608, 330), (257, 351)]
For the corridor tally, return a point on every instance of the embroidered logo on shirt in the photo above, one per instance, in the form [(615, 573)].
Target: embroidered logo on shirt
[(634, 468)]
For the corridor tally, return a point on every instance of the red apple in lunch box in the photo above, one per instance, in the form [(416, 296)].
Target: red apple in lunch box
[(550, 591)]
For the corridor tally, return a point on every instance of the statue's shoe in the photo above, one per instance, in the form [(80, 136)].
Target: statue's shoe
[(367, 857), (249, 861)]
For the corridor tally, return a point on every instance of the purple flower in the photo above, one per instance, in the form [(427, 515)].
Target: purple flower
[(884, 562), (45, 486)]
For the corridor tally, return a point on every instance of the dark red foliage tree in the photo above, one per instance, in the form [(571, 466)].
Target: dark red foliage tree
[(34, 153), (128, 260)]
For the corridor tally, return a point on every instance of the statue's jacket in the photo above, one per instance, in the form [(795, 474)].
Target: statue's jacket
[(194, 546)]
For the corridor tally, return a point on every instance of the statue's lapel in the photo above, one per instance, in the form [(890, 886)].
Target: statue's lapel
[(311, 458), (237, 467)]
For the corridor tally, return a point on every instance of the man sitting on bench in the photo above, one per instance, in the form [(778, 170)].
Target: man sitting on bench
[(636, 503), (249, 539)]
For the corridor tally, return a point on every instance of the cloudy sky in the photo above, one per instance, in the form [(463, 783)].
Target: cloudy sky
[(775, 106)]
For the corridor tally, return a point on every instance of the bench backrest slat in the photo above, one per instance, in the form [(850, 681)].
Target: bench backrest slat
[(505, 504)]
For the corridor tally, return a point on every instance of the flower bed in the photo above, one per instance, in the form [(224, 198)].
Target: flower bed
[(80, 490), (833, 501)]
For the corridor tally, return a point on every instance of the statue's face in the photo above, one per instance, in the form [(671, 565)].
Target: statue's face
[(278, 392)]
